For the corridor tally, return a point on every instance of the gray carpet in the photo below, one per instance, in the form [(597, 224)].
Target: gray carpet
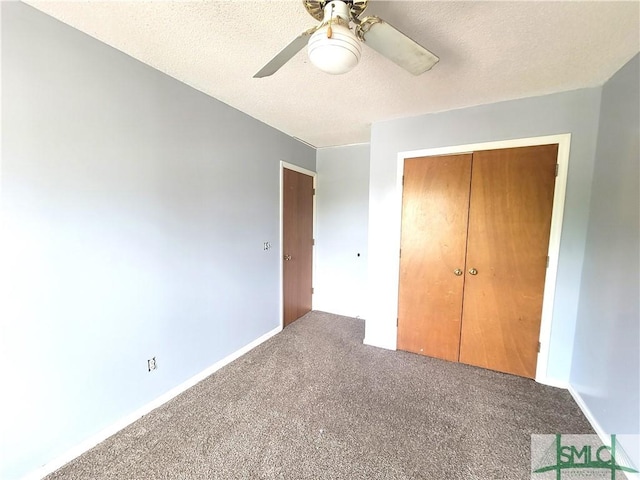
[(314, 403)]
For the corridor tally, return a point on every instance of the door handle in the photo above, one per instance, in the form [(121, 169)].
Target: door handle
[(287, 257), (457, 272), (473, 271)]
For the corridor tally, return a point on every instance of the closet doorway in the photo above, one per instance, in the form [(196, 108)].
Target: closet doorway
[(474, 255)]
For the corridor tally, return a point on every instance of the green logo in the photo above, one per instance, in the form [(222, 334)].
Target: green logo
[(579, 456)]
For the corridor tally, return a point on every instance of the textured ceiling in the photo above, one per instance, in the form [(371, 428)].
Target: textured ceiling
[(489, 51)]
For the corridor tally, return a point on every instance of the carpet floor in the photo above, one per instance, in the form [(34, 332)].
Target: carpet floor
[(313, 402)]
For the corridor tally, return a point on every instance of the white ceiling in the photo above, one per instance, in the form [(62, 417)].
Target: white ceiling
[(489, 51)]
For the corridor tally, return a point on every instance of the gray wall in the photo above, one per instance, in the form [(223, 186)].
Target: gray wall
[(573, 112), (134, 210), (606, 363), (342, 204)]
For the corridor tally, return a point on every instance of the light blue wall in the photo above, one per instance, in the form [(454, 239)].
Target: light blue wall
[(606, 362), (573, 112), (134, 211), (342, 204)]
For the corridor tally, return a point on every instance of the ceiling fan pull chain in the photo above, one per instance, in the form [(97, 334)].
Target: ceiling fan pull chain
[(329, 29)]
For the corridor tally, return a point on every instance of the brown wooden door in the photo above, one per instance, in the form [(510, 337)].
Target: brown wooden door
[(509, 226), (487, 214), (297, 213), (435, 206)]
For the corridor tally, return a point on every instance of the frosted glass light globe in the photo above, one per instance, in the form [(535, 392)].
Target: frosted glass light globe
[(335, 55)]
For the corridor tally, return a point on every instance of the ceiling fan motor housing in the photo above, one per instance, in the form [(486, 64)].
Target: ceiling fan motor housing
[(316, 7), (334, 48)]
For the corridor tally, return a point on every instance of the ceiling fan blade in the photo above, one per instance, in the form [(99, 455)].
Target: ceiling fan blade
[(285, 55), (395, 45)]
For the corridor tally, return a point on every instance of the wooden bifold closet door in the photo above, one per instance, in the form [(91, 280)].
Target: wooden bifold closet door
[(475, 236)]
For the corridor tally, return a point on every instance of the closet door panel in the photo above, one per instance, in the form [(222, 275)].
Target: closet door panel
[(508, 239), (434, 230)]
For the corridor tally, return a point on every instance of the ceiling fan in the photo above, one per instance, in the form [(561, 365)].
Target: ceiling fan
[(335, 48)]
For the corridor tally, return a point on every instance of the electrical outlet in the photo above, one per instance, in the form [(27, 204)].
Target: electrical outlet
[(151, 364), (266, 246)]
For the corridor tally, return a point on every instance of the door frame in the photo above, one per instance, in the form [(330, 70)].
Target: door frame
[(564, 143), (295, 168)]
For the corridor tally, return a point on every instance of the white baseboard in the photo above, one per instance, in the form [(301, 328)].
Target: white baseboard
[(552, 382), (378, 334), (622, 457), (380, 342), (129, 419)]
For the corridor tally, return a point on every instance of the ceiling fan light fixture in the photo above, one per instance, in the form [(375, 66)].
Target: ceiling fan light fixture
[(333, 47), (335, 55)]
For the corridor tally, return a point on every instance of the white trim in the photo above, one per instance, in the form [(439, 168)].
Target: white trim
[(91, 442), (564, 145), (587, 413), (564, 142), (342, 146), (554, 382), (382, 341), (622, 457), (295, 168), (305, 143)]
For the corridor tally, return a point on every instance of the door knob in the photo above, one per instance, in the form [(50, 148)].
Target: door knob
[(457, 272), (287, 257), (473, 271)]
